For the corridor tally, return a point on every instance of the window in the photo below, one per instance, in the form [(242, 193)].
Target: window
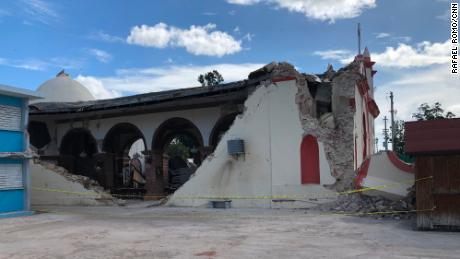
[(10, 176), (10, 118)]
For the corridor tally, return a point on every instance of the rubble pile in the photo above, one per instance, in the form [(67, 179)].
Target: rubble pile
[(88, 183), (364, 205)]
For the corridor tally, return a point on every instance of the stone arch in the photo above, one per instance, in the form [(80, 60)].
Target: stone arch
[(127, 178), (309, 160), (77, 152), (221, 126), (78, 142), (167, 174), (120, 136), (175, 126)]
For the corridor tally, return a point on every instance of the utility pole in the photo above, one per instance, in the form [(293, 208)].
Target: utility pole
[(392, 112), (385, 133)]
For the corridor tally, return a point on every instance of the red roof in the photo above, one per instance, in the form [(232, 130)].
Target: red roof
[(433, 136)]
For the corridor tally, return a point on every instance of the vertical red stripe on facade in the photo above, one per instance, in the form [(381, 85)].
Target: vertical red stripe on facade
[(309, 160), (362, 173), (364, 137)]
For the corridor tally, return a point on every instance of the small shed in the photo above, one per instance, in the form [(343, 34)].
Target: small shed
[(14, 151), (436, 146)]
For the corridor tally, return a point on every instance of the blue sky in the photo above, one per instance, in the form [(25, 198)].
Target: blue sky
[(123, 47)]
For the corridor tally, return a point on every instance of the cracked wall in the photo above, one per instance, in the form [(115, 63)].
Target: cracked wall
[(277, 116)]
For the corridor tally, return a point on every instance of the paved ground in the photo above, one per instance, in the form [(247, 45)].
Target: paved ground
[(139, 232)]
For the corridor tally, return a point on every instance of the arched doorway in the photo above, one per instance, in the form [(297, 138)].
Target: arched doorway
[(309, 160), (222, 125), (125, 146), (78, 147), (176, 150)]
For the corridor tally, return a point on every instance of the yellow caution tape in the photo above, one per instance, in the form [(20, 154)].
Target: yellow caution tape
[(272, 197), (228, 215), (377, 212)]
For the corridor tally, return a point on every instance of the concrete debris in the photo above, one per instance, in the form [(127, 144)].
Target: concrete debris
[(88, 183), (274, 69), (364, 205), (69, 189), (335, 130), (18, 155)]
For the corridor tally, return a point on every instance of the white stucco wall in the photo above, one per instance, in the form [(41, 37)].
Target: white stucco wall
[(391, 181), (204, 119), (359, 130), (272, 133)]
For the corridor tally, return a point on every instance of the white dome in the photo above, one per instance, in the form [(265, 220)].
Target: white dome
[(62, 88)]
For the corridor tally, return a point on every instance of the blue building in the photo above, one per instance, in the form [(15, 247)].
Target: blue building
[(14, 151)]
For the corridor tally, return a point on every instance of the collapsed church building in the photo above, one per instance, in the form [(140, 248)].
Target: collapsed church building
[(278, 133)]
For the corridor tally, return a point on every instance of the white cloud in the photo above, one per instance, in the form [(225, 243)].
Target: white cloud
[(404, 56), (421, 85), (381, 35), (135, 81), (402, 38), (198, 40), (248, 36), (103, 36), (425, 78), (341, 55), (96, 87), (430, 85), (320, 10), (28, 64), (40, 11), (421, 55), (157, 36), (210, 13), (100, 55), (41, 65)]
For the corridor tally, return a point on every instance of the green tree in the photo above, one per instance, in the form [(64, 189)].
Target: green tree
[(399, 142), (177, 148), (182, 146), (212, 78), (427, 112), (424, 112)]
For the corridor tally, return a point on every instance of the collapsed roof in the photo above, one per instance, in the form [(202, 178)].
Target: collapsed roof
[(194, 97)]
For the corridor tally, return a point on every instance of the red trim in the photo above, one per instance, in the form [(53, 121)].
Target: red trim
[(369, 63), (282, 78), (361, 88), (373, 107), (364, 137), (401, 165), (362, 173)]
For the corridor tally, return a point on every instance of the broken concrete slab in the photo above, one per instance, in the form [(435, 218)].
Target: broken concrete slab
[(54, 185)]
